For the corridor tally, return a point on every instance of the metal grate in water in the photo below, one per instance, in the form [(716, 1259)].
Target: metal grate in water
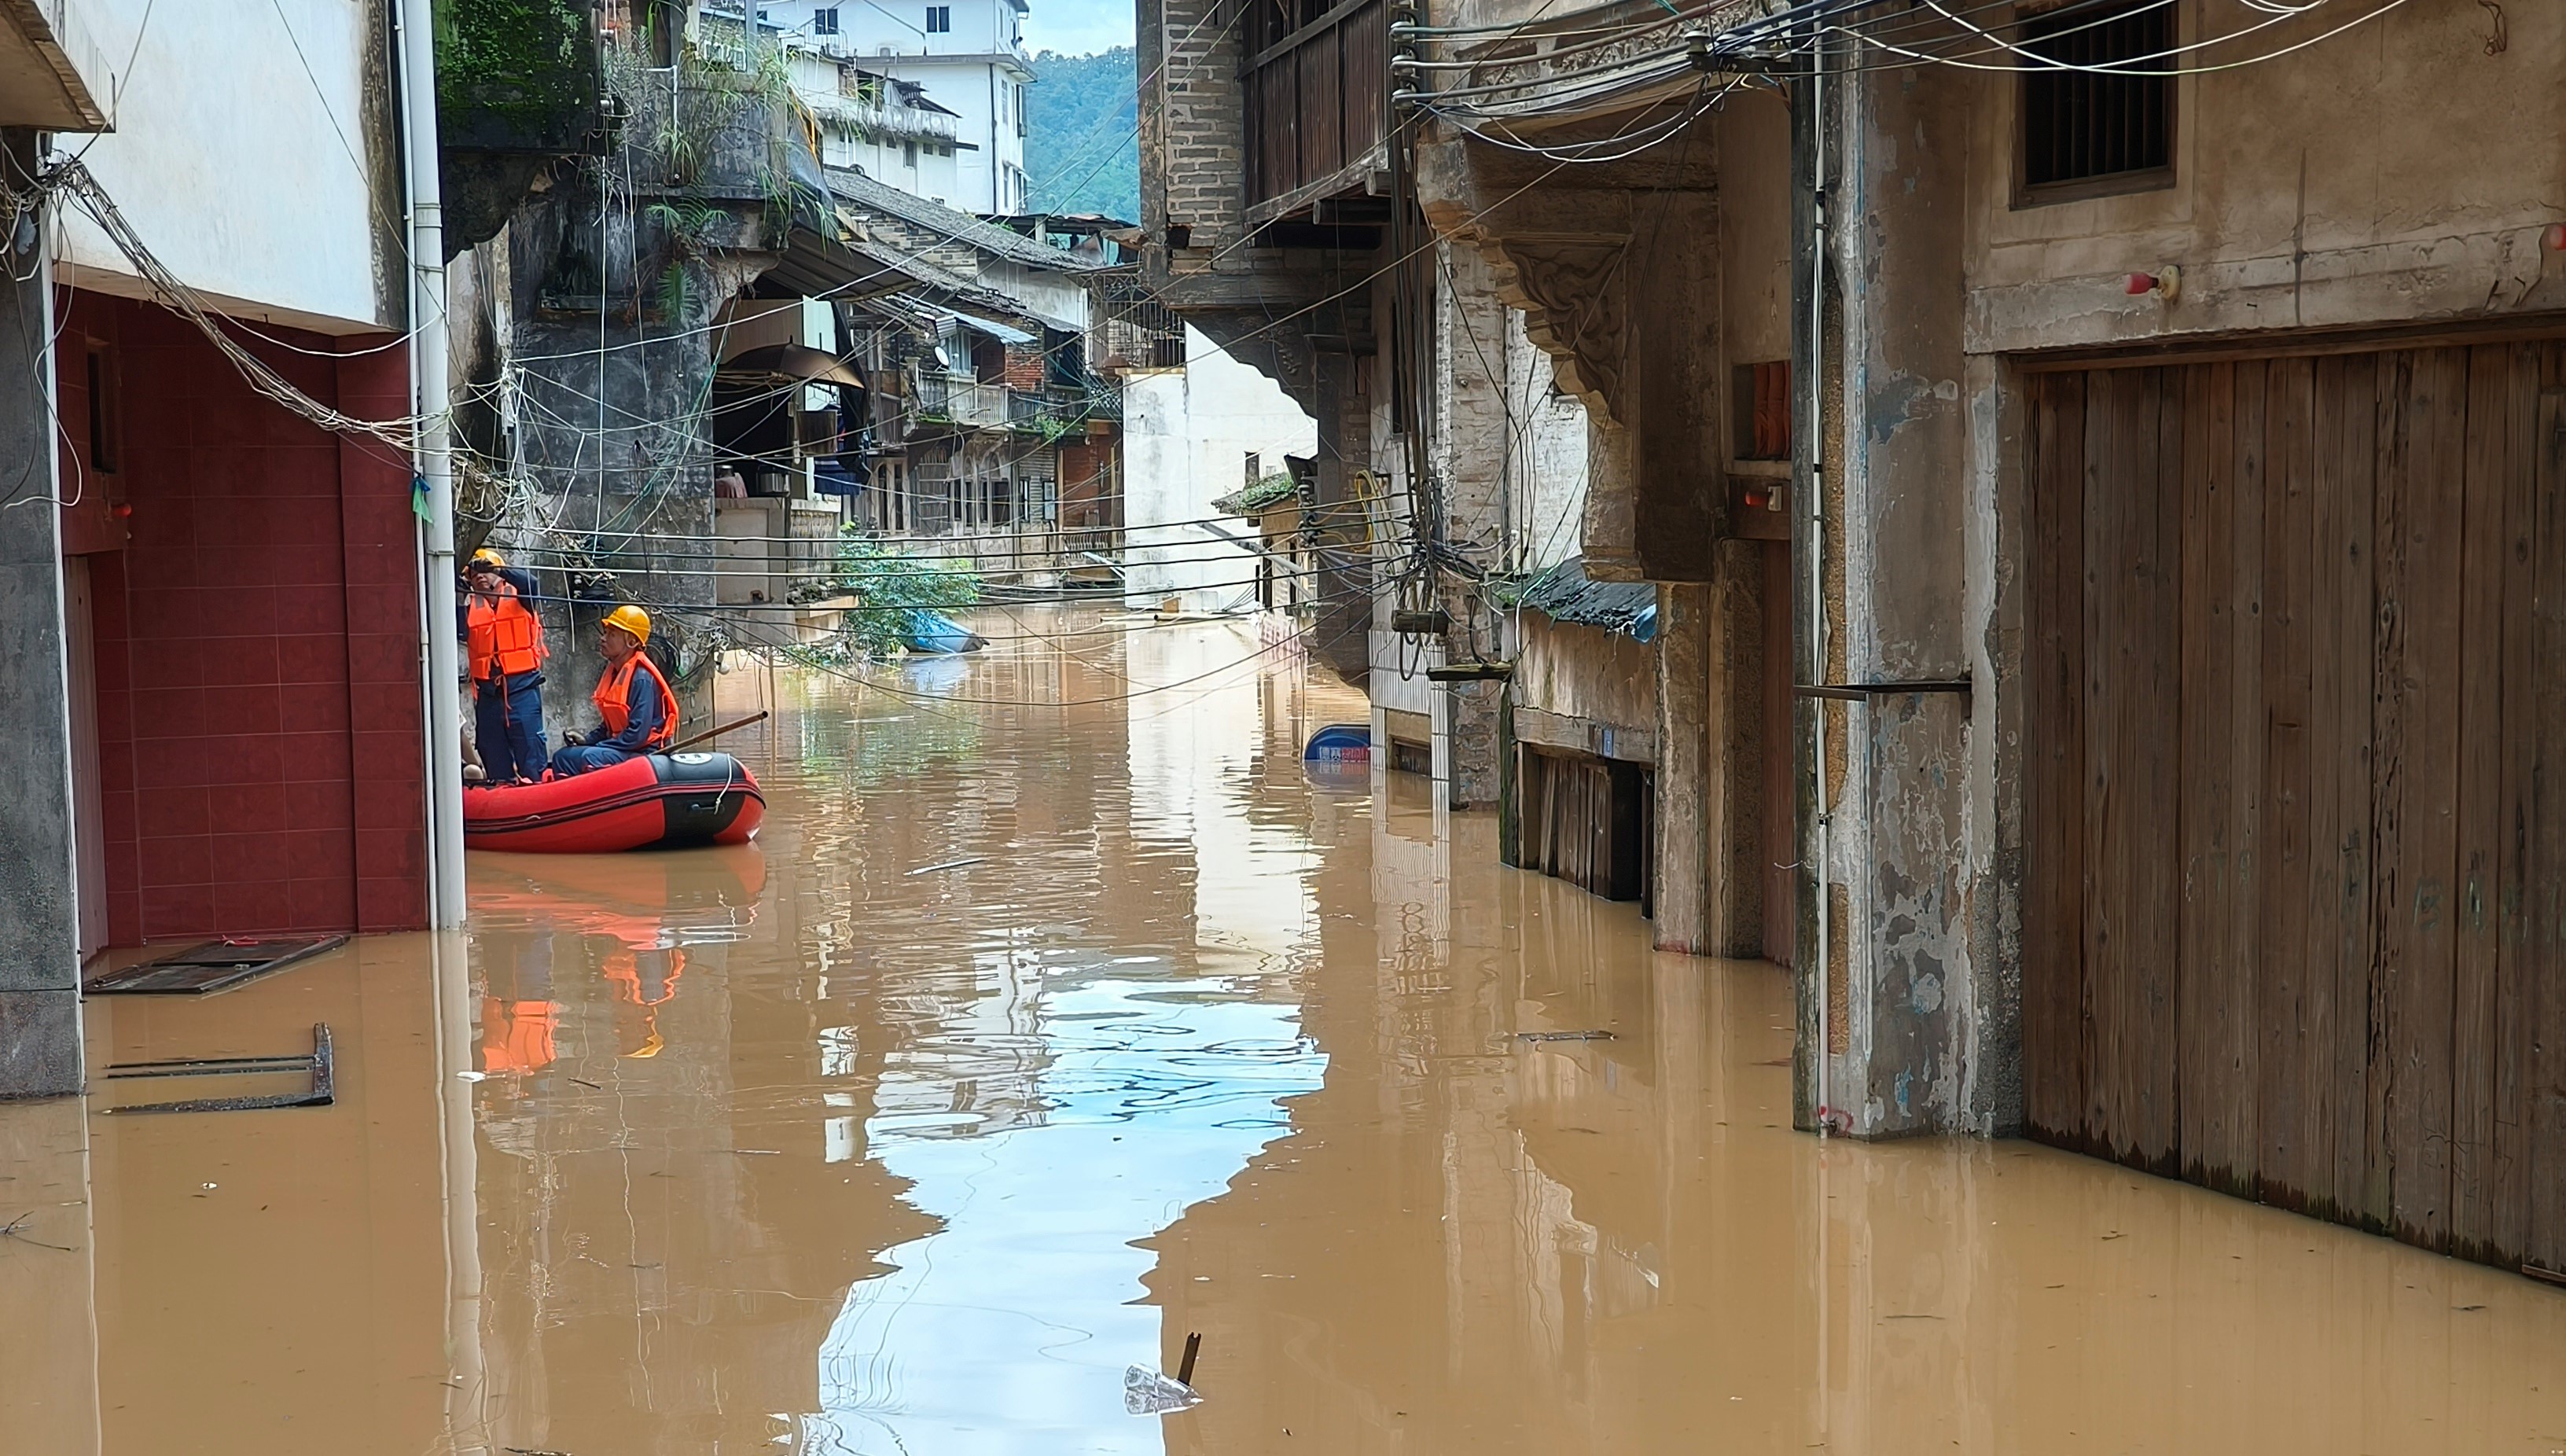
[(319, 1063), (201, 970)]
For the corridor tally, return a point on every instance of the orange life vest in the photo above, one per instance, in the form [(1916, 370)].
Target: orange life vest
[(505, 633), (614, 698)]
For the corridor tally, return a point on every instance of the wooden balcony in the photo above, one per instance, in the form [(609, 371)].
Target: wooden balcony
[(1317, 82)]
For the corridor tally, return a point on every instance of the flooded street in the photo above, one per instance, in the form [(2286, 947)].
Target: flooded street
[(1059, 1011)]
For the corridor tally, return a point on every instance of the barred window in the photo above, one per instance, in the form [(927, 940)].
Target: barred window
[(2111, 123)]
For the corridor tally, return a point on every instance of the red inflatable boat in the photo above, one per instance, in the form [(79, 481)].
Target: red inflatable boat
[(660, 800)]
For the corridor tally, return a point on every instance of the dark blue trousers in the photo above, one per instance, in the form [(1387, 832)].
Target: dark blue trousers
[(588, 759), (508, 727)]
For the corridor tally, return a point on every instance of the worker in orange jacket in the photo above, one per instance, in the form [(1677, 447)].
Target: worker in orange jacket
[(637, 711), (504, 642)]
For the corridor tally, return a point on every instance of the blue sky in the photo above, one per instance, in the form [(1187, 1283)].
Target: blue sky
[(1078, 27)]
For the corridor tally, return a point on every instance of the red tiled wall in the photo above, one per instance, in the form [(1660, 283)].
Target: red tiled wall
[(258, 673)]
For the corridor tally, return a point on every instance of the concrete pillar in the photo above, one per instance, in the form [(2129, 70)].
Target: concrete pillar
[(40, 1041), (1733, 728), (1339, 634), (1473, 438), (1687, 792), (1908, 867)]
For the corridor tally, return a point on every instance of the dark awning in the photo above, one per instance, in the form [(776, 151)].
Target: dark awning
[(846, 269), (792, 362)]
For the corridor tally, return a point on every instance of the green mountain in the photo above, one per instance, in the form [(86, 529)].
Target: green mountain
[(1082, 132)]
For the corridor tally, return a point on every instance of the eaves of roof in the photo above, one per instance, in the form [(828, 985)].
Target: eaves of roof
[(1565, 593), (945, 221)]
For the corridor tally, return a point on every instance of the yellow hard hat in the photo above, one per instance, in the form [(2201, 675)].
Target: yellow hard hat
[(486, 556), (632, 620)]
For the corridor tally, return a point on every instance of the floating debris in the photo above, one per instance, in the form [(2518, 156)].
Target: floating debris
[(1146, 1392), (1563, 1036), (948, 865)]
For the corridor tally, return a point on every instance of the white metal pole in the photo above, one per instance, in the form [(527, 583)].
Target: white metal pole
[(1822, 1058), (434, 459)]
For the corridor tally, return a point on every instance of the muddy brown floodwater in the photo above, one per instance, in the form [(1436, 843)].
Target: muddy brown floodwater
[(1057, 1013)]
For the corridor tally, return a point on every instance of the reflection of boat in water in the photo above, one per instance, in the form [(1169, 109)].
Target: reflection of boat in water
[(660, 800), (936, 635), (575, 886)]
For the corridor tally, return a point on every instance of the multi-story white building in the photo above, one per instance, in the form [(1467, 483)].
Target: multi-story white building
[(968, 54), (890, 129)]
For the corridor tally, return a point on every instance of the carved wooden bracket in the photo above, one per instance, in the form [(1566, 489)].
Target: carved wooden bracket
[(1575, 306)]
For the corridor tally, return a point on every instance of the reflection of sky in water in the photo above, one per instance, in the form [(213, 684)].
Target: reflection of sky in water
[(1155, 1093), (1080, 1096)]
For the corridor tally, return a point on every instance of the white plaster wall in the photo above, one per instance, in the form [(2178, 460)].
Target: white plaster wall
[(1185, 437), (1547, 467), (989, 175), (1059, 300), (244, 171)]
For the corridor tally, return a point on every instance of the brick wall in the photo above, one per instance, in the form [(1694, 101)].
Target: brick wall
[(258, 643), (1194, 120), (1024, 367)]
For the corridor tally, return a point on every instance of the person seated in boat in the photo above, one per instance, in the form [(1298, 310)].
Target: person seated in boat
[(637, 713), (504, 648)]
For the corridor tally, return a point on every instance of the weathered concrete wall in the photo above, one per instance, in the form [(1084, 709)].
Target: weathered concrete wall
[(1473, 435), (1756, 313), (1586, 672), (1688, 799), (2307, 192), (632, 508), (40, 1038)]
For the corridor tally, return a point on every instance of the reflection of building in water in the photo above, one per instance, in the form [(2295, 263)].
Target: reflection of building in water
[(674, 1199), (1494, 1231)]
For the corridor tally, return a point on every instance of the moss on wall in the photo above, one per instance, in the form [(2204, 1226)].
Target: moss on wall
[(515, 75)]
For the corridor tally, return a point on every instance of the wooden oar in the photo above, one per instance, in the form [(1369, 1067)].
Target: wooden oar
[(711, 733)]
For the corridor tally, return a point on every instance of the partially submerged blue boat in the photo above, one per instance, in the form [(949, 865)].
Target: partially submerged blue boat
[(1340, 742), (936, 635)]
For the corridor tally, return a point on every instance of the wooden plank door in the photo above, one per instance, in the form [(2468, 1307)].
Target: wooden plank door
[(2294, 703)]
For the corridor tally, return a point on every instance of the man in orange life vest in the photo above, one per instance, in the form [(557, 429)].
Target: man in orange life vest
[(637, 713), (505, 647)]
